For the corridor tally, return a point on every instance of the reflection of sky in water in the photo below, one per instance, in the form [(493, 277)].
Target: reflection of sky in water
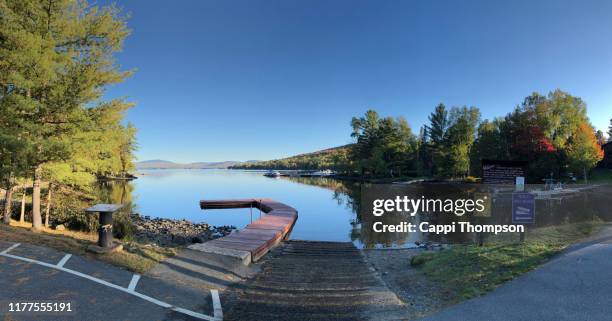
[(176, 194)]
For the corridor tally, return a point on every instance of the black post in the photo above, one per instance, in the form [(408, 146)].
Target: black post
[(105, 230)]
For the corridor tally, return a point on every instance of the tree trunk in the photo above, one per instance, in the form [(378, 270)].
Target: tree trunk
[(123, 192), (585, 175), (47, 214), (22, 214), (36, 218), (8, 202)]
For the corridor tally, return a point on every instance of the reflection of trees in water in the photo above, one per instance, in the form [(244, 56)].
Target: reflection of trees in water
[(344, 192), (349, 194), (579, 207), (118, 192)]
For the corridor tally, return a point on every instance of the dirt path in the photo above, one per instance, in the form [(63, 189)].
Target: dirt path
[(421, 295)]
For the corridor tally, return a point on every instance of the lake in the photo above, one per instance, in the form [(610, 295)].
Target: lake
[(324, 205), (329, 208)]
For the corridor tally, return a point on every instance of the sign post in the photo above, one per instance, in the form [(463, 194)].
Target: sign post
[(523, 210)]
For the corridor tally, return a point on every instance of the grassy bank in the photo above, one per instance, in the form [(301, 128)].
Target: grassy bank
[(135, 256), (467, 271)]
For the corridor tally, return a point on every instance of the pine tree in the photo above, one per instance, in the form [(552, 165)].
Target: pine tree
[(13, 163), (57, 58), (383, 147), (438, 125), (437, 131)]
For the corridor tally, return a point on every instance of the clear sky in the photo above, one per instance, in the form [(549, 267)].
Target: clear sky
[(239, 80)]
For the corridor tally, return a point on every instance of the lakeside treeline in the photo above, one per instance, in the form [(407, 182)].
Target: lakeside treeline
[(57, 133), (332, 158), (552, 133)]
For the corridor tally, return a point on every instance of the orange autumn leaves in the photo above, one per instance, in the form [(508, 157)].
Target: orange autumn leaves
[(584, 151)]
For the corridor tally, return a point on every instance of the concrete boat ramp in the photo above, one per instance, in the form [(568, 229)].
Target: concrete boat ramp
[(299, 280), (256, 239), (309, 280)]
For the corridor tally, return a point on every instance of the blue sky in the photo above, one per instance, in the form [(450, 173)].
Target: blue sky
[(239, 80)]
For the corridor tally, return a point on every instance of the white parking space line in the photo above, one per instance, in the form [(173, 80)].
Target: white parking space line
[(10, 248), (111, 285), (134, 282), (63, 260), (217, 310)]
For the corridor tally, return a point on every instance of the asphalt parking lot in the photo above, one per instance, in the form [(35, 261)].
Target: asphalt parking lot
[(95, 290)]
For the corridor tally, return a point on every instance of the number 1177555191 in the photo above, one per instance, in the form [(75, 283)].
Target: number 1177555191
[(38, 307)]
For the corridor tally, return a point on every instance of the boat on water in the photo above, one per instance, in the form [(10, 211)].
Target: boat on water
[(323, 173), (272, 174)]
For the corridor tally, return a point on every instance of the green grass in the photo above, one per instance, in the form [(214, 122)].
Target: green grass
[(463, 272), (135, 256)]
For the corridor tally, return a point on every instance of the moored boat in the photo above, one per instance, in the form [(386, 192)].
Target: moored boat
[(272, 174)]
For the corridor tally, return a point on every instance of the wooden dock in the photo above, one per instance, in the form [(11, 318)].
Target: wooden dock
[(257, 238)]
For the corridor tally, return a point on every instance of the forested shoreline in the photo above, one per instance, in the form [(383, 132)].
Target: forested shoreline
[(58, 134), (552, 133), (332, 158)]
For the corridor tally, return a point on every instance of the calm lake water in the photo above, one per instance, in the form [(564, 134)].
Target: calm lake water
[(325, 213), (329, 209)]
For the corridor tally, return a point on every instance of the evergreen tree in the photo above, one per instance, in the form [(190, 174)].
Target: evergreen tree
[(57, 58), (383, 147), (488, 145), (13, 164), (423, 155), (438, 124), (366, 133)]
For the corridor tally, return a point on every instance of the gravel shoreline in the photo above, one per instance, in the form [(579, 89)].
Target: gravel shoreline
[(421, 296), (169, 232)]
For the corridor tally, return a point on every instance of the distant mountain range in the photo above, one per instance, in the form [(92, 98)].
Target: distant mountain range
[(164, 164)]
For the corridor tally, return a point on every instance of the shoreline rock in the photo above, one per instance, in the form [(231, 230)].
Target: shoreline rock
[(171, 232)]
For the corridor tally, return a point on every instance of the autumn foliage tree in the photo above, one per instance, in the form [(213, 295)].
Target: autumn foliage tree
[(584, 152)]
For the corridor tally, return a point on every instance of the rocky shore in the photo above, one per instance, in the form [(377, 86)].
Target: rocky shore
[(168, 232)]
